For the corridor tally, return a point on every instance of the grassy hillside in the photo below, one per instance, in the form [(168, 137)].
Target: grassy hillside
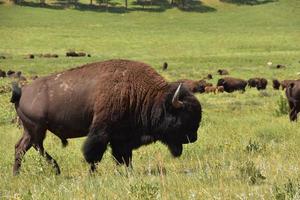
[(245, 149)]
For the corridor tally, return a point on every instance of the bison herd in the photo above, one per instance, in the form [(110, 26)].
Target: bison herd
[(121, 103)]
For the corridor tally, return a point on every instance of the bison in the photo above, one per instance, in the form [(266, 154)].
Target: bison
[(121, 103), (293, 95), (165, 66), (223, 72), (2, 74), (285, 83), (259, 83), (232, 84), (194, 85), (276, 84)]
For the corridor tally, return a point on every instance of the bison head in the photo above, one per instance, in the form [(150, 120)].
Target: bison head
[(182, 119)]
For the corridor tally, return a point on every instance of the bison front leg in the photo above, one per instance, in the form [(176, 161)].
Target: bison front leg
[(94, 147)]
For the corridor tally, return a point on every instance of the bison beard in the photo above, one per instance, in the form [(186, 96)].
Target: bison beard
[(121, 103)]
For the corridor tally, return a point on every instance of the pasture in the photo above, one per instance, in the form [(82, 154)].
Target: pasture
[(246, 147)]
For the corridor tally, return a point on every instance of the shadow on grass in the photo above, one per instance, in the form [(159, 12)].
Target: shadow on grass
[(115, 7), (248, 2)]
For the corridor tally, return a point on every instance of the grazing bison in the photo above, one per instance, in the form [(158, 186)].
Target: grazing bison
[(232, 84), (121, 103), (209, 76), (194, 86), (259, 83), (29, 56), (279, 66), (48, 55), (276, 84), (71, 54), (10, 72), (165, 66), (262, 84), (293, 95), (223, 72), (2, 74)]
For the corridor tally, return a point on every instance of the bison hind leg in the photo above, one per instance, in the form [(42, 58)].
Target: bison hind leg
[(22, 146), (94, 148), (122, 154)]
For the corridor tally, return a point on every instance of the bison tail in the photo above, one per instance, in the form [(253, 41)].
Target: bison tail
[(16, 93)]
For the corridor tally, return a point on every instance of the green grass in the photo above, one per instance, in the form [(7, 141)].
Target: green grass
[(242, 137)]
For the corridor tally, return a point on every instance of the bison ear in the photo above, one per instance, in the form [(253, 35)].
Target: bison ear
[(175, 101)]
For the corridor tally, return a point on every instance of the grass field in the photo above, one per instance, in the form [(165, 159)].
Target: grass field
[(246, 150)]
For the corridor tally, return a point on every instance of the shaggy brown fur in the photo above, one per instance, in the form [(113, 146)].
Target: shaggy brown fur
[(231, 84), (293, 95), (122, 103)]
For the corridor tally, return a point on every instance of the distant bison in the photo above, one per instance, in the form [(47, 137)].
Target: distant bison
[(276, 84), (121, 103), (74, 54), (29, 56), (209, 76), (2, 74), (48, 55), (232, 84), (293, 95), (165, 66), (195, 85), (279, 66), (2, 57), (259, 83), (223, 72), (10, 72)]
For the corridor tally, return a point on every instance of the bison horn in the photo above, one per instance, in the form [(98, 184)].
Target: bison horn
[(175, 102)]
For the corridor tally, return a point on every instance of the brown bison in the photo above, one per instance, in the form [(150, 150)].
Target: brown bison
[(121, 103), (232, 84), (165, 66), (276, 84), (279, 66), (2, 74), (209, 76), (194, 86), (285, 83), (259, 83), (48, 55), (10, 72), (293, 95), (223, 72)]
